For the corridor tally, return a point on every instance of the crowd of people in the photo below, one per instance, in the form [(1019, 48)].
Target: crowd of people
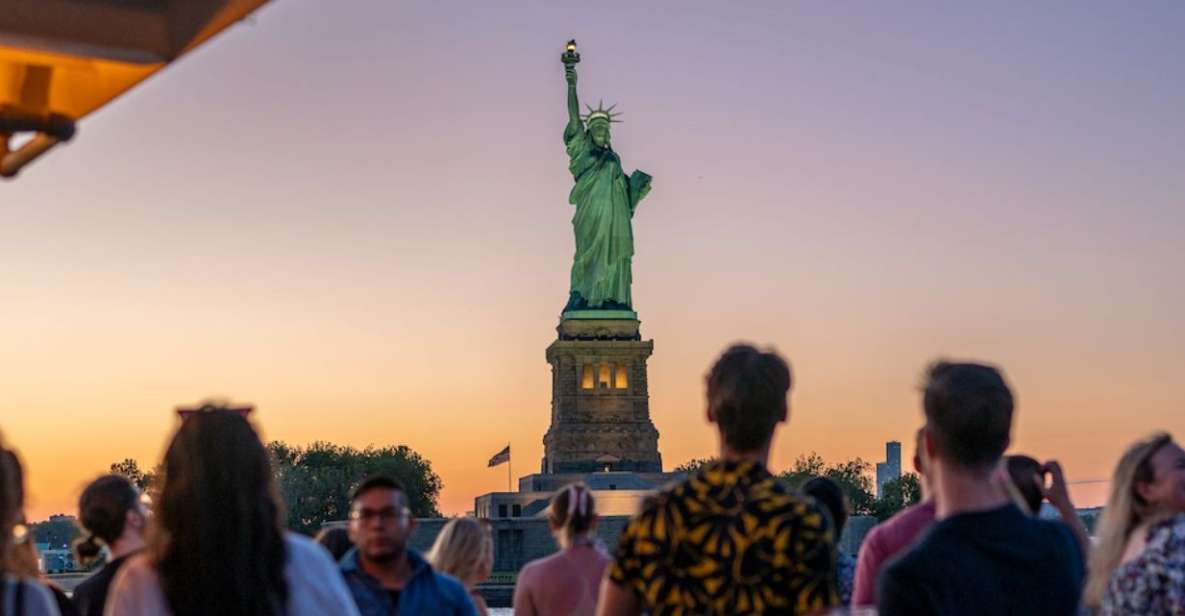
[(728, 539)]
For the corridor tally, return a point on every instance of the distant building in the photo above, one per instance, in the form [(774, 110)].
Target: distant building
[(890, 469), (54, 560)]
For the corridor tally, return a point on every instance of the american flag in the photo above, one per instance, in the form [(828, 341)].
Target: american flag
[(500, 457)]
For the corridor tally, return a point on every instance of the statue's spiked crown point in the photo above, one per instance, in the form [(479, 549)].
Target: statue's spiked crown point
[(602, 114)]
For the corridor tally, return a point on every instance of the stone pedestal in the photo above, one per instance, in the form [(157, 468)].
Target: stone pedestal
[(600, 401)]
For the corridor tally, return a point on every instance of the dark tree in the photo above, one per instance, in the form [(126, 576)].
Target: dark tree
[(131, 469), (693, 465), (315, 481), (898, 494), (851, 476), (805, 468)]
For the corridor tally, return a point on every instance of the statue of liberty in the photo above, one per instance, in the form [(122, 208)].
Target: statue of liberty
[(605, 200)]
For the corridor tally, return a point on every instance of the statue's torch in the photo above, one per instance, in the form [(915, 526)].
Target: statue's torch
[(570, 56)]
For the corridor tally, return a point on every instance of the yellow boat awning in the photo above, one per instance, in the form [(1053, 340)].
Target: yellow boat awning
[(64, 59)]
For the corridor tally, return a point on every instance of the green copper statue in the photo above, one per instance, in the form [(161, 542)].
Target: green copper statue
[(605, 201)]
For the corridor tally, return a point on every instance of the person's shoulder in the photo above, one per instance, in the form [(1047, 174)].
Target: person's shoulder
[(657, 503), (929, 551), (904, 526), (777, 502), (89, 585), (38, 597), (535, 567), (137, 570), (450, 587), (300, 546), (1056, 533), (307, 560), (1168, 531)]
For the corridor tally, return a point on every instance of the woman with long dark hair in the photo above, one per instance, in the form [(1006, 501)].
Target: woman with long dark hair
[(19, 595), (217, 546), (112, 516)]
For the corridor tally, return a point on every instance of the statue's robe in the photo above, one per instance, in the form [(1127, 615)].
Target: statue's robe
[(605, 200)]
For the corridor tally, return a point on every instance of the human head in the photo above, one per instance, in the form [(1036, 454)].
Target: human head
[(1023, 475), (598, 130), (380, 521), (12, 504), (464, 549), (968, 411), (830, 496), (107, 509), (336, 540), (12, 497), (218, 542), (747, 391), (572, 514), (1148, 481)]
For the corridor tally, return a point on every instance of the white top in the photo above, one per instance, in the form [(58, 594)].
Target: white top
[(315, 585), (38, 600)]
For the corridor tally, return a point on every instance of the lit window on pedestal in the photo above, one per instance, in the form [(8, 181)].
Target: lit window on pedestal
[(586, 377), (621, 377), (603, 377)]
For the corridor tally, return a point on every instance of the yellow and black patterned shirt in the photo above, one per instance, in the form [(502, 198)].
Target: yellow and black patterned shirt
[(730, 539)]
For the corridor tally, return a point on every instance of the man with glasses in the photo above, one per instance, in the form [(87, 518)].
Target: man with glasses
[(385, 576)]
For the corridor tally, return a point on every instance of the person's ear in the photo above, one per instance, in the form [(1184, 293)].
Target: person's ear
[(711, 416), (1144, 490), (928, 441), (785, 413)]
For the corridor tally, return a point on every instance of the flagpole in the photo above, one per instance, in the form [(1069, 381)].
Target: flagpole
[(509, 465)]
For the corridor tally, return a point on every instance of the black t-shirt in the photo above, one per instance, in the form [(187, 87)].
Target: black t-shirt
[(91, 594), (992, 562)]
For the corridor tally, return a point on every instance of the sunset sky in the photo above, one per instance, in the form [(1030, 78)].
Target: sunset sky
[(354, 216)]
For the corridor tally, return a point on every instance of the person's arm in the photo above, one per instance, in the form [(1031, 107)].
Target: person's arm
[(1059, 497), (617, 600), (522, 603)]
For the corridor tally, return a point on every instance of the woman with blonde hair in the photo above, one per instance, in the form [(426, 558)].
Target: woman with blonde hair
[(1135, 567), (464, 549), (568, 582)]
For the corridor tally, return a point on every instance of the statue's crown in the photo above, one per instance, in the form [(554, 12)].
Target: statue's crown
[(601, 114)]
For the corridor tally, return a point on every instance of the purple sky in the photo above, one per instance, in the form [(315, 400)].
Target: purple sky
[(357, 220)]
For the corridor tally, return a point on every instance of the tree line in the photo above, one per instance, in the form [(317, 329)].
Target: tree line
[(853, 477), (315, 481)]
